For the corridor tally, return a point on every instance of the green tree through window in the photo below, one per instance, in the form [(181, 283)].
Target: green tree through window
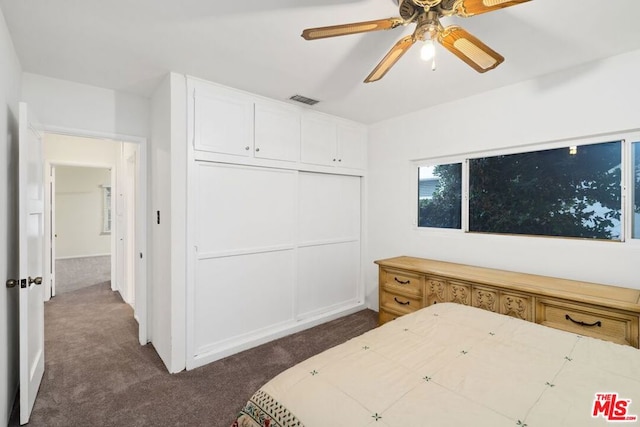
[(560, 192), (440, 196)]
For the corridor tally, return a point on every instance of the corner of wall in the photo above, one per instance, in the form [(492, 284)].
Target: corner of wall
[(179, 150), (168, 193)]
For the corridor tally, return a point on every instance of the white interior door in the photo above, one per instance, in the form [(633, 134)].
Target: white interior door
[(52, 237), (49, 232), (130, 249), (31, 230)]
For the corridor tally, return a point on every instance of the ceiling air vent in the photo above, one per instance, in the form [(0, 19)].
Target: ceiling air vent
[(304, 99)]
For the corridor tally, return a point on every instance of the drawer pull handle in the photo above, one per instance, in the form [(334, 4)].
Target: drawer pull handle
[(581, 323), (401, 282), (401, 303)]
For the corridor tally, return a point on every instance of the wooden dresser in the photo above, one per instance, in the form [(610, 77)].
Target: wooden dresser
[(606, 312)]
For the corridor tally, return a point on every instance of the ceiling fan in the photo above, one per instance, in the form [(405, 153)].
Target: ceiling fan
[(426, 15)]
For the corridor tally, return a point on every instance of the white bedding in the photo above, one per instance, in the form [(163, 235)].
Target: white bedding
[(454, 365)]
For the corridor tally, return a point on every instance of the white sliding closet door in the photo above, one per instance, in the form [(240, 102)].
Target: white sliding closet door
[(328, 241), (245, 254), (243, 209)]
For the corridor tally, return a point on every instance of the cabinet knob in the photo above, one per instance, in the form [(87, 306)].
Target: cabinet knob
[(334, 160), (339, 160), (257, 149), (247, 148)]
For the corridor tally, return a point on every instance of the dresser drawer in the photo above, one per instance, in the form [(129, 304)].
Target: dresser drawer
[(589, 321), (402, 280), (385, 316), (399, 303)]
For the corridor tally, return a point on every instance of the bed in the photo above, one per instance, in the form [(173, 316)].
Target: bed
[(455, 365)]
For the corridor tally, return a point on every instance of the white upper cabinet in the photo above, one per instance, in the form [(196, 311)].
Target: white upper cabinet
[(277, 131), (318, 139), (223, 121), (257, 131), (351, 147), (330, 141)]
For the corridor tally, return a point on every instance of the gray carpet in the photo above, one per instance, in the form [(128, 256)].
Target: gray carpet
[(98, 375), (77, 273)]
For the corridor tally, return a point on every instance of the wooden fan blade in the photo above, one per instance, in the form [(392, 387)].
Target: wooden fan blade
[(468, 48), (354, 28), (390, 59), (476, 7)]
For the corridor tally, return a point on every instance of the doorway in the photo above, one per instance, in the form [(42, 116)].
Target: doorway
[(102, 182), (81, 227)]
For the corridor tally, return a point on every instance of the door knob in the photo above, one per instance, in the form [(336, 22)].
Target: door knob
[(37, 280), (12, 283)]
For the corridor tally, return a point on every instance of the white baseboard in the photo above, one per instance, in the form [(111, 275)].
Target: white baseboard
[(238, 345), (81, 256)]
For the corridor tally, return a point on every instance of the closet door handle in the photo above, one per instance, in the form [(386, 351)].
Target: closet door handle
[(581, 323), (401, 282), (400, 302)]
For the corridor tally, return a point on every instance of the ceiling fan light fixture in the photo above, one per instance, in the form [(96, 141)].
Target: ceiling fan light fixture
[(428, 50), (426, 14)]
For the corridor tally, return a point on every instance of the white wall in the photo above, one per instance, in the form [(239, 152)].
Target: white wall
[(80, 151), (79, 211), (168, 239), (67, 150), (10, 75), (600, 97), (61, 103)]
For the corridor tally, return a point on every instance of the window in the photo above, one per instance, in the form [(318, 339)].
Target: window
[(635, 190), (569, 192), (440, 196), (106, 209)]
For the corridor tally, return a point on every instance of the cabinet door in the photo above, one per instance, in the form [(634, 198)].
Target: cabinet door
[(329, 242), (328, 277), (516, 305), (319, 139), (240, 296), (277, 131), (223, 121), (328, 208), (460, 293), (243, 208), (352, 141), (485, 298), (435, 291)]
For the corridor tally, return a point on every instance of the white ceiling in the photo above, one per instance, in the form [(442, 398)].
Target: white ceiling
[(255, 45)]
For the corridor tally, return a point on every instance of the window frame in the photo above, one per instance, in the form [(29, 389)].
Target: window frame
[(107, 212), (464, 199), (627, 139), (629, 183)]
